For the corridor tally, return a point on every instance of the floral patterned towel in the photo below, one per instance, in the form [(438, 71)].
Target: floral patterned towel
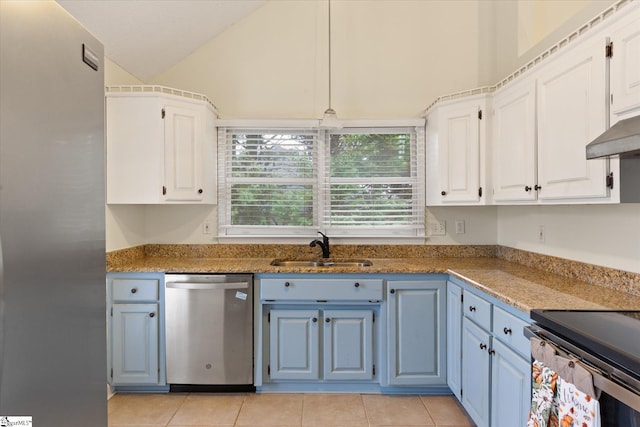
[(575, 408), (544, 411)]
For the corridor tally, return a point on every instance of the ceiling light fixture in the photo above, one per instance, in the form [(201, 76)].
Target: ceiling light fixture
[(330, 118)]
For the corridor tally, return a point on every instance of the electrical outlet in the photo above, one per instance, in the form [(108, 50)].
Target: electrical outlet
[(206, 227), (541, 235), (459, 226), (438, 228)]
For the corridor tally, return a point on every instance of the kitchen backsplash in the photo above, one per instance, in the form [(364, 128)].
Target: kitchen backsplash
[(597, 275)]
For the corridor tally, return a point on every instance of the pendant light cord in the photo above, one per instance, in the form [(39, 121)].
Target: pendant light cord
[(329, 2)]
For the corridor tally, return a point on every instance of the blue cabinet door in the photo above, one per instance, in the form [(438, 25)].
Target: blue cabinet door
[(416, 332), (348, 344), (511, 385), (294, 350), (475, 372), (454, 338), (135, 344)]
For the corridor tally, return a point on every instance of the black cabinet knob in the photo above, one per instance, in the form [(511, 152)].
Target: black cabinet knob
[(537, 187), (134, 290), (483, 346), (527, 188), (492, 352), (315, 319), (393, 291), (152, 315), (472, 308), (328, 320), (443, 193), (507, 331), (200, 191), (357, 285), (287, 284)]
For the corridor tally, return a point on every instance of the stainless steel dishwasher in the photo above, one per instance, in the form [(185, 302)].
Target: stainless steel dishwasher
[(209, 332)]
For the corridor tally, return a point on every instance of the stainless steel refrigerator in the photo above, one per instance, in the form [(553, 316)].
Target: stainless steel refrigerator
[(52, 278)]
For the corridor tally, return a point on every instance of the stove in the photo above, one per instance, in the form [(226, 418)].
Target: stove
[(608, 344)]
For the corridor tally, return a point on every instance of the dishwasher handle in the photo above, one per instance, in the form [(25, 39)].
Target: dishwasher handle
[(207, 285)]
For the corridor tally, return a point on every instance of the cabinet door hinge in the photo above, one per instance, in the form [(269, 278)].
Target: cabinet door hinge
[(268, 369), (164, 113), (373, 318), (164, 190), (111, 372), (461, 297), (610, 181), (479, 114), (269, 317), (460, 392), (374, 369), (608, 50), (480, 192), (111, 311)]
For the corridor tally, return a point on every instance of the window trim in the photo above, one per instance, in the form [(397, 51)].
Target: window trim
[(412, 234)]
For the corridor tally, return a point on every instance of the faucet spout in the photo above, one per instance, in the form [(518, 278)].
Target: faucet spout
[(324, 245)]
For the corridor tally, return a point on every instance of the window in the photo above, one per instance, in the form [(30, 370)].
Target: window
[(354, 182)]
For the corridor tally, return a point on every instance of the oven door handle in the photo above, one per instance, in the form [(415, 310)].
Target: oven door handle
[(627, 394)]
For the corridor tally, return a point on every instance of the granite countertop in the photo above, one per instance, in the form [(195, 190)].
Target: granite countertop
[(522, 287)]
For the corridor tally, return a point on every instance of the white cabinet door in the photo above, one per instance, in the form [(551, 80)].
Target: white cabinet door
[(348, 344), (416, 333), (454, 338), (456, 139), (511, 385), (514, 143), (135, 344), (625, 65), (160, 149), (571, 113), (294, 352), (183, 148)]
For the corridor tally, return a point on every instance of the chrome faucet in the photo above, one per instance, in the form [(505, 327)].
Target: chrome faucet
[(324, 244)]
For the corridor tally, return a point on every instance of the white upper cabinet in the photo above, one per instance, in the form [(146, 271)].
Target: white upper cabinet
[(571, 112), (625, 66), (514, 142), (161, 148), (456, 150)]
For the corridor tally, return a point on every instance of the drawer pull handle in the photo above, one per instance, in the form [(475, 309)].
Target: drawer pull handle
[(287, 284), (472, 308), (315, 319), (507, 331), (393, 291), (152, 315), (357, 285), (483, 346), (134, 290)]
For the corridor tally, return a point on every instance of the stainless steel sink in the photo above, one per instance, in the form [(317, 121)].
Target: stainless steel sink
[(321, 263)]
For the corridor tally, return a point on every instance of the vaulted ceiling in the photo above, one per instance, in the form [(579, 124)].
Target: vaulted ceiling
[(146, 37)]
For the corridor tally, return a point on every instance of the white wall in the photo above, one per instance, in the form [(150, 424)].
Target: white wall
[(391, 58), (602, 235)]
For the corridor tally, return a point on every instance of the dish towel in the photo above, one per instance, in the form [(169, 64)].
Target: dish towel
[(544, 411), (576, 408), (563, 394)]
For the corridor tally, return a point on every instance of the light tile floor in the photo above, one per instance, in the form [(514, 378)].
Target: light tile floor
[(284, 410)]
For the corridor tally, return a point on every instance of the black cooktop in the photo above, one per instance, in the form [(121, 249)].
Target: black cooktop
[(611, 335)]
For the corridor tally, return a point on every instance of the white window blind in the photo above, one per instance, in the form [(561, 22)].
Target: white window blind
[(355, 182), (373, 185)]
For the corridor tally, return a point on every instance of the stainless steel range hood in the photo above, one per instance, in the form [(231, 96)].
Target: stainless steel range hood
[(621, 139)]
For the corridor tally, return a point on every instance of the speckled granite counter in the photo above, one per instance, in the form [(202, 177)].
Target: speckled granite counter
[(523, 287)]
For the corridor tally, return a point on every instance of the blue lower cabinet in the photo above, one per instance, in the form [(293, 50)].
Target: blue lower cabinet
[(416, 333), (511, 385), (476, 372), (348, 344), (294, 346), (312, 345)]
